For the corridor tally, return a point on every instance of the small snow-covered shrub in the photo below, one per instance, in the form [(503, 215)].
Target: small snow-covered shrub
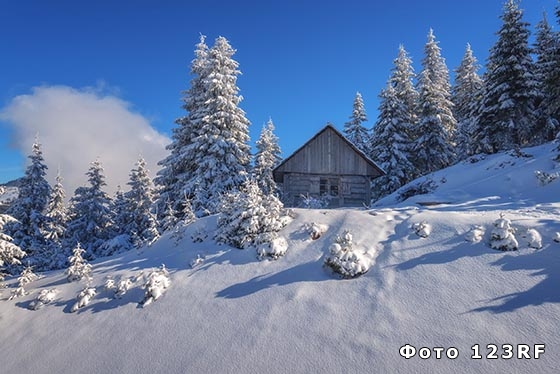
[(346, 261), (199, 260), (27, 276), (274, 249), (533, 238), (310, 202), (315, 230), (79, 268), (475, 235), (545, 178), (84, 297), (156, 284), (420, 188), (422, 229), (557, 237), (503, 235), (45, 297), (119, 288)]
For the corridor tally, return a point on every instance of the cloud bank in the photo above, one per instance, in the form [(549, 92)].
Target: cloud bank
[(78, 126)]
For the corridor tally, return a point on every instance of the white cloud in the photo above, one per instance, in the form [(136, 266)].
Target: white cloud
[(77, 126)]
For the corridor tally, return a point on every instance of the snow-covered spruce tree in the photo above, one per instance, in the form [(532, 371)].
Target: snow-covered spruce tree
[(248, 217), (466, 95), (345, 260), (121, 214), (54, 255), (177, 168), (90, 221), (434, 143), (391, 144), (353, 129), (266, 158), (156, 284), (142, 227), (27, 276), (507, 112), (220, 149), (10, 253), (503, 235), (29, 208), (547, 66), (79, 268)]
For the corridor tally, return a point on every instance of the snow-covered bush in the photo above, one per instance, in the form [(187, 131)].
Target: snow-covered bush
[(27, 276), (545, 178), (421, 188), (274, 249), (475, 235), (422, 229), (156, 284), (310, 202), (533, 238), (84, 297), (503, 235), (199, 260), (79, 268), (343, 259), (557, 237), (45, 297), (248, 217), (315, 230)]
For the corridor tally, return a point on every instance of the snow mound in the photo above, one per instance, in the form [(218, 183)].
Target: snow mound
[(475, 235), (533, 239)]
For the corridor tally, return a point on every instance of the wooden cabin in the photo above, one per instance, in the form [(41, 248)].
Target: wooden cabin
[(328, 164)]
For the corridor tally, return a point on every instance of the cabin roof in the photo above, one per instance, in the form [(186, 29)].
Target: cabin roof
[(330, 127)]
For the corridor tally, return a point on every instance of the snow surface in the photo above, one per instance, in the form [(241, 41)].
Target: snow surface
[(232, 313)]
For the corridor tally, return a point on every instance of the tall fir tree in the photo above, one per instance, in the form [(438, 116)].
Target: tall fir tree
[(142, 226), (91, 221), (353, 129), (55, 228), (507, 113), (547, 75), (177, 168), (402, 79), (466, 94), (29, 208), (434, 143), (266, 158), (220, 147), (391, 144)]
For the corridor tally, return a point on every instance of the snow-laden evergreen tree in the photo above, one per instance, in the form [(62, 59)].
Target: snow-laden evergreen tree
[(507, 113), (29, 208), (142, 225), (121, 214), (169, 218), (177, 168), (91, 220), (547, 66), (248, 217), (10, 253), (266, 159), (401, 79), (503, 235), (220, 149), (434, 145), (156, 284), (353, 129), (391, 144), (27, 276), (466, 95), (55, 228), (79, 268)]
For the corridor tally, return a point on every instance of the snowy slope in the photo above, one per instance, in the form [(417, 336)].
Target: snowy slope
[(235, 314)]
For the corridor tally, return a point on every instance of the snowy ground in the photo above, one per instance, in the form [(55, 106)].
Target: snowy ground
[(231, 313)]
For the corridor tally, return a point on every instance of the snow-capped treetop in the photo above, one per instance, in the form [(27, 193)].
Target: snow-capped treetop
[(266, 158), (353, 129)]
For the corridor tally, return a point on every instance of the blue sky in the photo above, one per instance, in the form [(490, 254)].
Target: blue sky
[(302, 61)]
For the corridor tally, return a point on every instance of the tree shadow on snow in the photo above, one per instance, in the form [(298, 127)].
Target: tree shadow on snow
[(307, 272), (544, 262)]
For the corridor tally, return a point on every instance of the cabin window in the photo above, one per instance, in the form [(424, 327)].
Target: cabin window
[(328, 186)]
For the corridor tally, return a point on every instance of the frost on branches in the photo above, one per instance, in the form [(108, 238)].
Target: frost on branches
[(248, 217), (79, 268), (343, 259), (502, 236), (156, 284)]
